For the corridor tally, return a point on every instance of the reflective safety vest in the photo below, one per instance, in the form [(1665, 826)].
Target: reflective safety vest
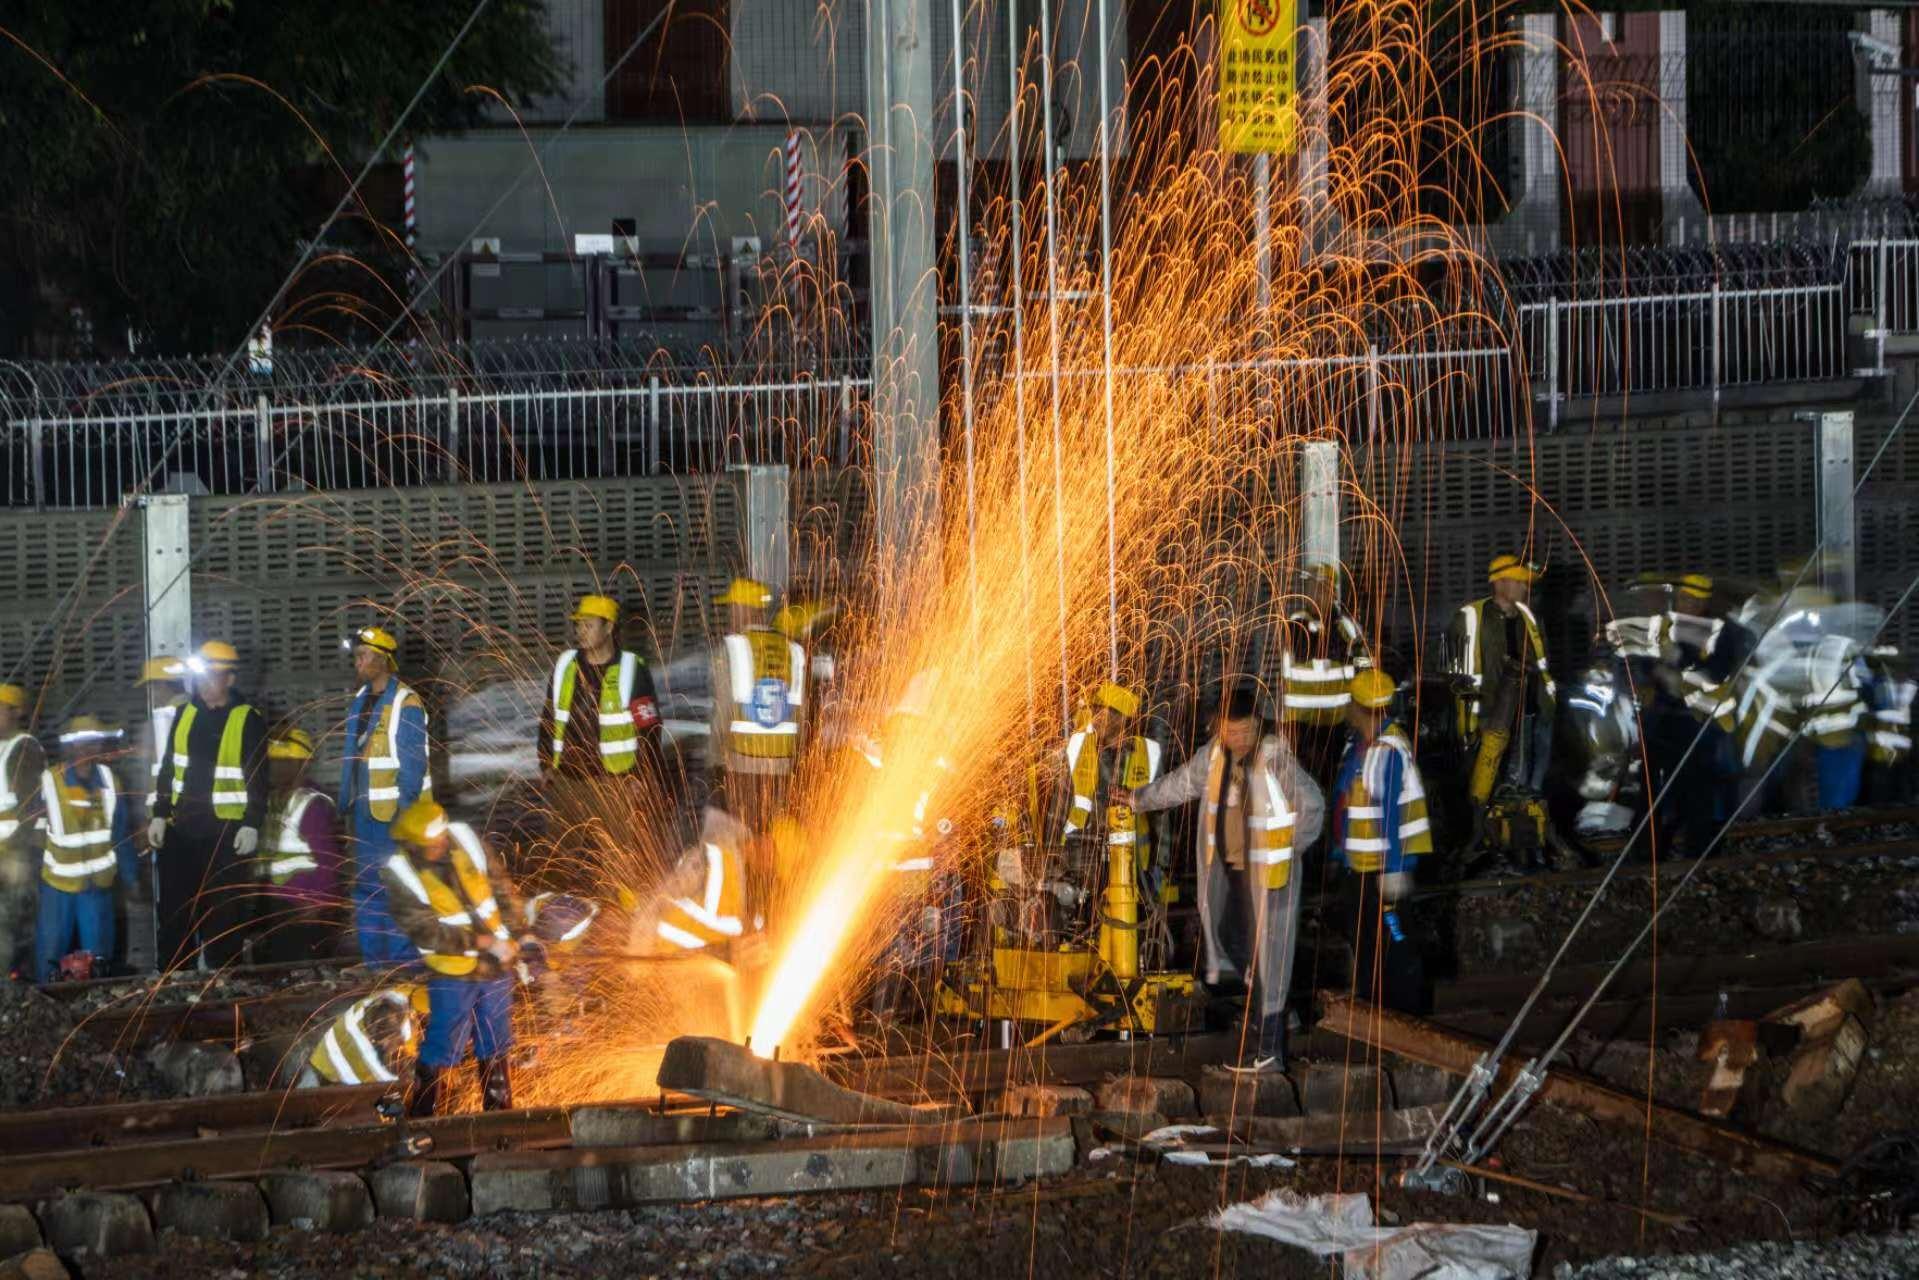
[(79, 851), (229, 766), (690, 923), (285, 852), (1139, 765), (619, 737), (9, 802), (1469, 662), (1832, 705), (383, 770), (346, 1054), (1316, 690), (163, 717), (1269, 819), (1366, 841), (465, 903), (767, 675)]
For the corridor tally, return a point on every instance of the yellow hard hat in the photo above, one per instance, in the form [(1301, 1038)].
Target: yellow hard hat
[(1511, 567), (796, 621), (214, 653), (1117, 697), (747, 592), (12, 695), (373, 638), (1373, 689), (161, 668), (604, 607), (423, 822), (1696, 585), (86, 730), (416, 996), (290, 744)]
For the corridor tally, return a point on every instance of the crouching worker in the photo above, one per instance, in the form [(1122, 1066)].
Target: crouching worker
[(701, 905), (1379, 827), (373, 1042), (452, 902)]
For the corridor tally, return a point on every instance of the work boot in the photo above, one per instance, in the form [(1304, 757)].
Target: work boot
[(1268, 1054), (496, 1085), (423, 1099)]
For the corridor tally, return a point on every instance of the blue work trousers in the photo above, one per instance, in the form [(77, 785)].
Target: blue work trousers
[(1840, 772), (461, 1010), (87, 914), (381, 941)]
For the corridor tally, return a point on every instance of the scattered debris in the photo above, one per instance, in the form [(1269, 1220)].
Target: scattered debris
[(1343, 1225)]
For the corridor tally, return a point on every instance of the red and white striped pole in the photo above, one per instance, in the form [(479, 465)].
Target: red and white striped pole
[(412, 215), (793, 190)]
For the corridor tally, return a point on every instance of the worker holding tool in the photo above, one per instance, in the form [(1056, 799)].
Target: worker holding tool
[(1379, 827), (87, 827), (22, 761), (454, 901), (1257, 806), (298, 868), (1497, 657), (384, 771), (1105, 763), (210, 804)]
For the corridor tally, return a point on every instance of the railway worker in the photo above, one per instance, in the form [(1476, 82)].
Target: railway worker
[(22, 761), (1105, 762), (1321, 648), (383, 772), (454, 901), (87, 827), (1256, 806), (759, 705), (700, 905), (164, 677), (1379, 826), (599, 731), (210, 804), (1699, 654), (298, 867), (1497, 657), (373, 1041)]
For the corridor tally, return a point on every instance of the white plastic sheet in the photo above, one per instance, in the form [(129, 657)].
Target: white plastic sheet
[(1343, 1225)]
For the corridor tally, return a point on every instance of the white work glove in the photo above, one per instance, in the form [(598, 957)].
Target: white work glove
[(1394, 885), (245, 841), (156, 833), (501, 949)]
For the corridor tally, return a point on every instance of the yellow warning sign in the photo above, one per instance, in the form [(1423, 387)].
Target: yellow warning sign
[(1257, 110)]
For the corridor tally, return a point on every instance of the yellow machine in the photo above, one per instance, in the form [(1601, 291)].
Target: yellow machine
[(1073, 990)]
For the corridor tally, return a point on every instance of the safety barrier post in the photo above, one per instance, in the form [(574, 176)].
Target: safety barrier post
[(453, 434), (1715, 330), (263, 444), (1882, 285), (1552, 363), (653, 425)]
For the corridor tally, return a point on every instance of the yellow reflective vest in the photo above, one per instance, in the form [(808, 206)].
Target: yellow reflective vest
[(1467, 658), (766, 692), (229, 765), (79, 848), (347, 1054), (11, 803), (459, 894), (1269, 819), (692, 922), (284, 851), (1139, 765), (383, 770), (619, 736), (1385, 789), (1316, 690)]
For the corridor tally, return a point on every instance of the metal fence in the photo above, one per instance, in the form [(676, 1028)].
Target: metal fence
[(1570, 329)]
